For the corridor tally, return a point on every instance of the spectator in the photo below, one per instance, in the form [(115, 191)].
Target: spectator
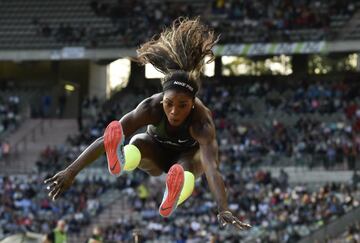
[(96, 236), (46, 102), (5, 149), (58, 235), (61, 104)]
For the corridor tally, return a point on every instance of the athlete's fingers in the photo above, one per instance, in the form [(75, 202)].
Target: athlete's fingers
[(222, 221), (51, 179), (240, 225), (245, 225), (53, 192), (55, 196), (51, 186), (59, 192), (55, 188)]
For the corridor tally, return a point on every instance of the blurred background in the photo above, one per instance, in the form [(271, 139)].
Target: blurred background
[(285, 95)]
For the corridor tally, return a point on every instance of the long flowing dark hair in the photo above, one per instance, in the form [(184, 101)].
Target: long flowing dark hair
[(180, 48)]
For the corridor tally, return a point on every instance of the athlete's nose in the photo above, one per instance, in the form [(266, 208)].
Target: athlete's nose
[(173, 112)]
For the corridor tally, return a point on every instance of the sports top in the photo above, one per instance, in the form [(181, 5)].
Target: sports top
[(181, 140)]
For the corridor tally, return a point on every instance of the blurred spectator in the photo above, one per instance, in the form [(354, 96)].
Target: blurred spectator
[(96, 236), (46, 102), (356, 179), (58, 235), (5, 149), (61, 104)]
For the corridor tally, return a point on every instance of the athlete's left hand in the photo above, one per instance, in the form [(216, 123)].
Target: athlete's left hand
[(226, 217)]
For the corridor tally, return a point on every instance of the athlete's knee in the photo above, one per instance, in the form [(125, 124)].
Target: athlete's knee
[(138, 138), (149, 156)]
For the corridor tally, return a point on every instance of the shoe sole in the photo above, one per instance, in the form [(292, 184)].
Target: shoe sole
[(113, 143), (174, 185)]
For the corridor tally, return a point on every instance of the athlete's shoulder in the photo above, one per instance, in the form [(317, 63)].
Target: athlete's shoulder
[(155, 99), (151, 106), (201, 111), (202, 126), (152, 102)]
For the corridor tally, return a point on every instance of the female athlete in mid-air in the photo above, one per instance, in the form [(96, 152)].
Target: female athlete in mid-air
[(180, 139)]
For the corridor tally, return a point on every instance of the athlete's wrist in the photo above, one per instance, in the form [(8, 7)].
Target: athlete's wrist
[(223, 208), (72, 172)]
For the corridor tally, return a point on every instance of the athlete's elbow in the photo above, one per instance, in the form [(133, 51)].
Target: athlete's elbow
[(212, 172)]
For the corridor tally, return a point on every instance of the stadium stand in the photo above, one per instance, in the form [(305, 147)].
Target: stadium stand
[(314, 141), (263, 21), (45, 24), (278, 212), (9, 121), (233, 148), (26, 207), (263, 123)]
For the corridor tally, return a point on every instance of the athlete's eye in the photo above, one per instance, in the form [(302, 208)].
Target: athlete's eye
[(168, 104)]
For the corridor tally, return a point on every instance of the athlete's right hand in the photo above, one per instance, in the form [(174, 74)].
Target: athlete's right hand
[(59, 183)]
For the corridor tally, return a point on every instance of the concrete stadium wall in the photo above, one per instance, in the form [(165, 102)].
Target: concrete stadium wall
[(72, 53), (97, 80)]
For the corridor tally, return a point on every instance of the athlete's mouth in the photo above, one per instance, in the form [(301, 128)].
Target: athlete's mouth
[(174, 120)]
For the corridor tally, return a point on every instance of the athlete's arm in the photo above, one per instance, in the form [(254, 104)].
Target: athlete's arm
[(145, 113), (203, 131)]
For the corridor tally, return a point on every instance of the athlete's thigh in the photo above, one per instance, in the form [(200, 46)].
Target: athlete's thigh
[(152, 155), (190, 160)]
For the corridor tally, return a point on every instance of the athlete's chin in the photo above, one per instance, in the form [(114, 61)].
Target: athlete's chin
[(174, 123)]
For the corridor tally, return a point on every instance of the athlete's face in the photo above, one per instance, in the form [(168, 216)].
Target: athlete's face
[(177, 106)]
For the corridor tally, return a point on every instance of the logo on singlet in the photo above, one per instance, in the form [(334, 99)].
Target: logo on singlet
[(182, 141)]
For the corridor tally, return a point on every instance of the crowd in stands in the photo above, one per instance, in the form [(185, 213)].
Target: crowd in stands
[(275, 138), (302, 97), (9, 121), (25, 205), (9, 113), (273, 20), (133, 22), (282, 130), (93, 122), (281, 213), (278, 212)]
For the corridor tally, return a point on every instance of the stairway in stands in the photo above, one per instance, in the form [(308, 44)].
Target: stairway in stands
[(351, 31), (114, 203), (32, 138)]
